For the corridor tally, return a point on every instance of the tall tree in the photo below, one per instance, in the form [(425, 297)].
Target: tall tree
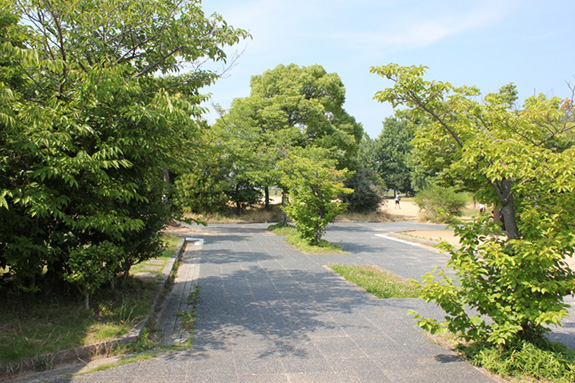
[(368, 186), (523, 161), (107, 105), (289, 106), (392, 152)]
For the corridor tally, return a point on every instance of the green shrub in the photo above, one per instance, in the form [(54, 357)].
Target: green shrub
[(548, 361), (504, 292), (440, 204), (368, 191), (314, 185)]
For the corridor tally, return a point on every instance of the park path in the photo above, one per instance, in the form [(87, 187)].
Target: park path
[(268, 313)]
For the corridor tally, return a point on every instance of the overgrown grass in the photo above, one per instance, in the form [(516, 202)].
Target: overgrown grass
[(378, 282), (34, 325), (526, 362), (293, 238)]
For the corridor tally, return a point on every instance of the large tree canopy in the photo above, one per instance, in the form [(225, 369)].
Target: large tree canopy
[(104, 99), (523, 161), (289, 106), (298, 106)]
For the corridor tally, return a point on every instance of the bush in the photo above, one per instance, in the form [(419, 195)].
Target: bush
[(440, 204), (368, 191), (549, 361), (503, 293)]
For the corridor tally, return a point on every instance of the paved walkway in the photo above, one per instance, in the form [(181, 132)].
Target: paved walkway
[(268, 313)]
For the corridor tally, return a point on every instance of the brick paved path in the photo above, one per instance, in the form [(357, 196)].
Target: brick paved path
[(268, 313)]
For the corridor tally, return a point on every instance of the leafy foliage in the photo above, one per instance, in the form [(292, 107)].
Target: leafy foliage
[(368, 191), (368, 187), (314, 184), (87, 126), (202, 186), (521, 160), (440, 204), (289, 106), (512, 291)]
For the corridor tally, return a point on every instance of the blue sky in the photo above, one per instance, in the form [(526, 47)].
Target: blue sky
[(486, 43)]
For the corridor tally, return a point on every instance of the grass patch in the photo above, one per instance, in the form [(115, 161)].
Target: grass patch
[(294, 239), (378, 282), (171, 242), (525, 362), (283, 229), (324, 246), (33, 325)]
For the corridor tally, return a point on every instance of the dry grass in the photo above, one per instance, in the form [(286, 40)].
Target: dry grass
[(258, 214), (255, 214)]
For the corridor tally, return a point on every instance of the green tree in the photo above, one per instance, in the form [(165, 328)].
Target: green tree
[(315, 184), (440, 204), (368, 187), (289, 106), (393, 148), (520, 159), (106, 105)]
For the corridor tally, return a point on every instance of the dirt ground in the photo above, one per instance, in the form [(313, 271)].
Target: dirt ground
[(409, 210), (406, 210)]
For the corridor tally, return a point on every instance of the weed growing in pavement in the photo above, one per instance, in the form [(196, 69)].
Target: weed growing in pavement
[(189, 317), (124, 361), (194, 296)]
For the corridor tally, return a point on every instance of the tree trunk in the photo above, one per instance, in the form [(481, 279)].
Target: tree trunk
[(267, 197), (318, 231), (505, 193), (166, 174), (284, 203), (508, 211)]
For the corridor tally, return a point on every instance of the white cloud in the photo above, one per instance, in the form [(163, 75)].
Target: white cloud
[(424, 25), (362, 25)]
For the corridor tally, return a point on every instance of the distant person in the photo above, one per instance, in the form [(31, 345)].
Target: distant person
[(481, 208), (397, 199)]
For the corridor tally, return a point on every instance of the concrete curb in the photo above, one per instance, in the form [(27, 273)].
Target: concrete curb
[(409, 238), (49, 361)]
